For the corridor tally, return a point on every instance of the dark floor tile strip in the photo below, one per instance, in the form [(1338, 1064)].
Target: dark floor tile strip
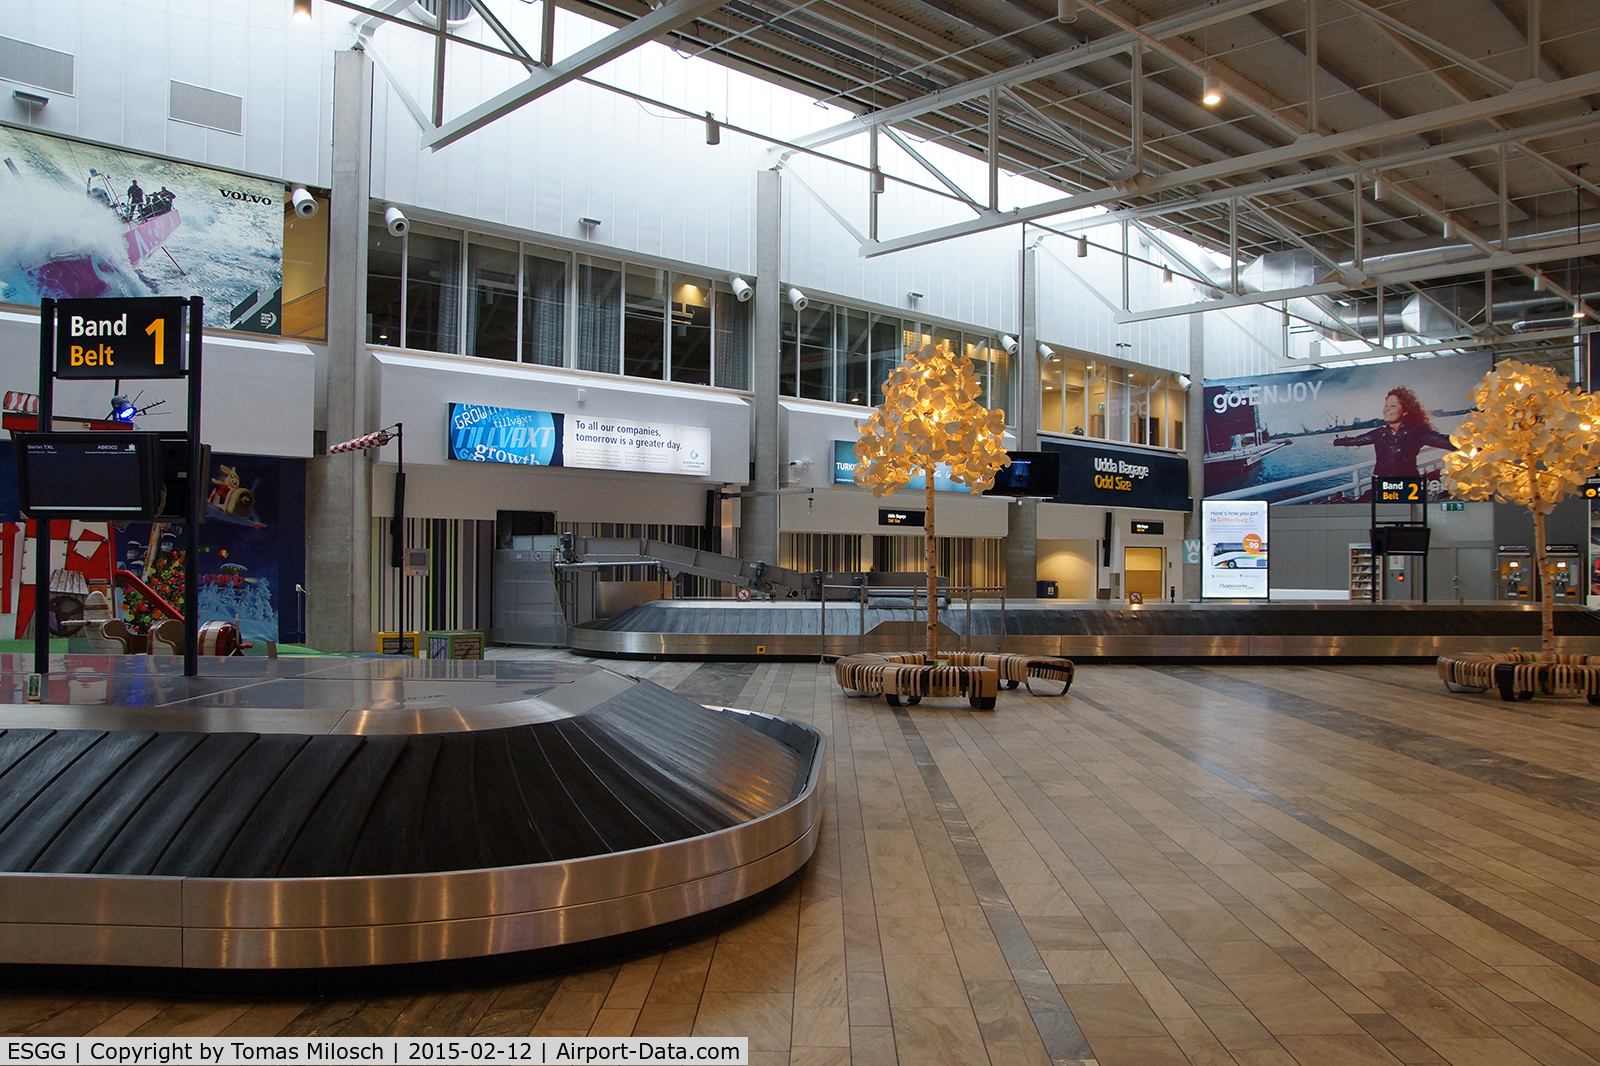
[(1529, 938), (1063, 1040), (1581, 795)]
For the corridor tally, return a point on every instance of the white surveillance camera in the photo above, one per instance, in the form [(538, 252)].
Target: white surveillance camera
[(742, 290), (798, 300), (1046, 352), (396, 220), (1009, 343), (305, 205)]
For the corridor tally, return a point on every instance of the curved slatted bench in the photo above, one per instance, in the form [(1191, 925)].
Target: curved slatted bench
[(1518, 675), (1017, 670), (907, 677)]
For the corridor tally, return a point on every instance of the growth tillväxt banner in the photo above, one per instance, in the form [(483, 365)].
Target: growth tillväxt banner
[(1320, 436), (481, 434), (83, 222)]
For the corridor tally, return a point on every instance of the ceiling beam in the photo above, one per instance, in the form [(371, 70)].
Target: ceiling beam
[(1308, 147), (658, 23)]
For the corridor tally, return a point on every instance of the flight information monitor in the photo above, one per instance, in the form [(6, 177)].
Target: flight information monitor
[(106, 475)]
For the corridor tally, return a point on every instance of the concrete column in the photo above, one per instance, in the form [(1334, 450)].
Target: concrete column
[(339, 487), (1195, 445), (1022, 533), (758, 534)]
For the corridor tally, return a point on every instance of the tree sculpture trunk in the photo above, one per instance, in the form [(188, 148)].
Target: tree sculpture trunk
[(1541, 564), (931, 555)]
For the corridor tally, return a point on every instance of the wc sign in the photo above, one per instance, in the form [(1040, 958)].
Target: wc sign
[(119, 338)]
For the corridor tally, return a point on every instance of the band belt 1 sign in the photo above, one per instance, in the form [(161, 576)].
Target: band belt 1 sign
[(119, 338)]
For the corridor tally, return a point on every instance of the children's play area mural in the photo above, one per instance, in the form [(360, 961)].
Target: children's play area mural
[(252, 557)]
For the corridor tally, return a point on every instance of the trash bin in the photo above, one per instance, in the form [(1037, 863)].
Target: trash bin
[(1047, 590)]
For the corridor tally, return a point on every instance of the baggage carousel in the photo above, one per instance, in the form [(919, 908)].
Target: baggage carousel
[(1080, 630), (325, 821)]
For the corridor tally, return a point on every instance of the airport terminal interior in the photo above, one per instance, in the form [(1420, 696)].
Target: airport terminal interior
[(1050, 532)]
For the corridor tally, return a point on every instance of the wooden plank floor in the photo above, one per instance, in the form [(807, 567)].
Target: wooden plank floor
[(1262, 865)]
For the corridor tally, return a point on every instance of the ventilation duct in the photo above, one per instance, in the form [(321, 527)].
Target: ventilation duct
[(32, 65), (206, 107)]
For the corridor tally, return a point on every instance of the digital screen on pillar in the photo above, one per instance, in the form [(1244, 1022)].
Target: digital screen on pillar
[(86, 475), (1029, 474)]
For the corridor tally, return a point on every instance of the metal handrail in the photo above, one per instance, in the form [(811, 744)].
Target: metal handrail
[(916, 594)]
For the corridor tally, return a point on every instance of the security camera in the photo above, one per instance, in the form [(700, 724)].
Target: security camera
[(798, 300), (742, 290), (1009, 343), (305, 205), (1046, 352), (396, 220)]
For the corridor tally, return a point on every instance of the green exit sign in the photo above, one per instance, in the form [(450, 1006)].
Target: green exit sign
[(1452, 505)]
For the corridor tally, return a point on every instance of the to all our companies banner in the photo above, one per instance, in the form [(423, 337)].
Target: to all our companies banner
[(482, 434), (83, 222), (1321, 436), (1233, 550)]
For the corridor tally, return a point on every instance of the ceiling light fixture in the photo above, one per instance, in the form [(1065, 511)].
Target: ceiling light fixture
[(1166, 275), (1066, 10), (1083, 247), (302, 11), (713, 129), (1210, 91), (1380, 188)]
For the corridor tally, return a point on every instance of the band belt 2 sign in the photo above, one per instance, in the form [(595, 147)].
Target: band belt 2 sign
[(1400, 490), (120, 338)]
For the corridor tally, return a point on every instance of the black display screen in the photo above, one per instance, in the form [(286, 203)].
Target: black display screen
[(85, 474), (1028, 474)]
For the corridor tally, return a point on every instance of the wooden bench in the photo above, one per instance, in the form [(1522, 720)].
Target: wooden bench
[(906, 677), (1518, 675), (1017, 670)]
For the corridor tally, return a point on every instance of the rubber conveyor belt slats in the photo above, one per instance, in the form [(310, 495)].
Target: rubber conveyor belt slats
[(79, 844), (691, 750), (266, 836), (34, 772), (526, 827), (15, 743), (37, 824), (666, 796), (328, 838), (145, 836), (663, 819), (451, 837), (570, 784), (216, 821), (390, 839)]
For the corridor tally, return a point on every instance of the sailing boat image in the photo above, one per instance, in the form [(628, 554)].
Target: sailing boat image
[(146, 221)]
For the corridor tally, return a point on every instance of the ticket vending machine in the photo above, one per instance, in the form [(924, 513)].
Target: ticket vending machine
[(1566, 572), (1514, 572)]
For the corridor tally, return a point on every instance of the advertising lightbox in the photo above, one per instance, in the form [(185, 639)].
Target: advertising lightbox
[(482, 434), (1233, 553)]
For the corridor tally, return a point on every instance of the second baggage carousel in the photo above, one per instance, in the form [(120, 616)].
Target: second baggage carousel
[(298, 821)]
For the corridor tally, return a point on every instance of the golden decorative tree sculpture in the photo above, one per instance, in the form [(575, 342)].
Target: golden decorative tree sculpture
[(1533, 441), (931, 416)]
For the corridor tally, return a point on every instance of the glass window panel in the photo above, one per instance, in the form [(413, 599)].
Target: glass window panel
[(855, 358), (492, 298), (886, 341), (1139, 407), (949, 339), (816, 352), (644, 323), (544, 310), (305, 274), (691, 329), (1095, 384), (385, 257), (1072, 395), (433, 289), (733, 341), (789, 339), (599, 340), (1178, 407), (982, 350), (1052, 395), (1117, 403)]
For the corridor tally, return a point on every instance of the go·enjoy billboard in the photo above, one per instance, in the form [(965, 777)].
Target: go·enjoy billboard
[(1321, 436), (481, 434), (82, 221)]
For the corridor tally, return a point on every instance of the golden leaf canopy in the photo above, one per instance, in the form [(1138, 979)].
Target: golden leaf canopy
[(1533, 439), (930, 415)]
